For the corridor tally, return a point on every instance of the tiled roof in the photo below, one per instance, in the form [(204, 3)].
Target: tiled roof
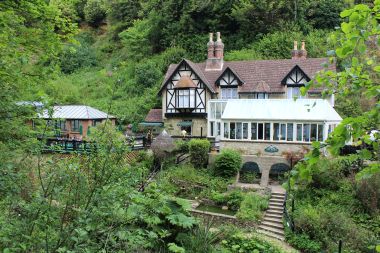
[(154, 115), (254, 72), (75, 112)]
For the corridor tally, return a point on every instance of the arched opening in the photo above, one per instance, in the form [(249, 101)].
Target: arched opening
[(250, 173), (277, 172)]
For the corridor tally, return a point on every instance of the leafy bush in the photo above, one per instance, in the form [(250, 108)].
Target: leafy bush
[(75, 57), (303, 242), (252, 207), (368, 193), (232, 199), (147, 75), (327, 225), (182, 146), (95, 11), (187, 182), (241, 244), (198, 149), (227, 163)]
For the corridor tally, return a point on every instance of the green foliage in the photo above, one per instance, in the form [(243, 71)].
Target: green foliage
[(95, 11), (242, 244), (136, 40), (276, 45), (198, 149), (74, 57), (227, 163), (121, 14), (232, 199), (182, 146), (147, 75), (303, 242), (252, 207), (187, 182)]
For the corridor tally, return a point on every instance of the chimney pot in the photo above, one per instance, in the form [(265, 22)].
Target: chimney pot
[(303, 45), (211, 37), (295, 45), (218, 36)]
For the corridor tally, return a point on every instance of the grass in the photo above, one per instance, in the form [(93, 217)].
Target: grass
[(214, 209)]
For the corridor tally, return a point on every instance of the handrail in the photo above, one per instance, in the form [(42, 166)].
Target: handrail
[(288, 218)]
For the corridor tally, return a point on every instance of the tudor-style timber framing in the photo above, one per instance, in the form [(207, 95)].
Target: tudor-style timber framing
[(296, 78), (196, 102)]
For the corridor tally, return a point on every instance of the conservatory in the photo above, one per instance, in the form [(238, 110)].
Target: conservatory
[(285, 121)]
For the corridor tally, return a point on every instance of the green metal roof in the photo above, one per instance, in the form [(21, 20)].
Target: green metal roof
[(151, 124), (185, 123)]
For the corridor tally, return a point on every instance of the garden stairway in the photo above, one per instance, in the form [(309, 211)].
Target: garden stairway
[(272, 224)]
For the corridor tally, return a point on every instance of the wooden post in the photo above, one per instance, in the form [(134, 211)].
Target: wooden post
[(201, 132), (340, 246)]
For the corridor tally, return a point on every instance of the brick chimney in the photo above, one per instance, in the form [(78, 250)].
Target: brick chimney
[(215, 53), (210, 47), (299, 54)]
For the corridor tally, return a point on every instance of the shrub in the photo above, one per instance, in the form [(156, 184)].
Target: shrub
[(303, 242), (368, 193), (232, 199), (227, 163), (252, 207), (199, 152), (75, 57), (182, 146), (242, 244), (95, 11)]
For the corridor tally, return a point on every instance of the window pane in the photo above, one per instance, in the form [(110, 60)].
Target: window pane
[(192, 98), (253, 131), (226, 130), (283, 132), (289, 132), (232, 130), (320, 132), (260, 131), (313, 132), (276, 131), (306, 132), (245, 130), (299, 132), (212, 110), (218, 128), (234, 93), (238, 130), (212, 123), (267, 131)]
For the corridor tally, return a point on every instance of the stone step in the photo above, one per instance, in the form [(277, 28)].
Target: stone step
[(278, 208), (276, 212), (273, 224), (270, 234), (277, 198), (276, 204), (273, 216), (273, 219), (277, 231), (281, 201), (281, 194)]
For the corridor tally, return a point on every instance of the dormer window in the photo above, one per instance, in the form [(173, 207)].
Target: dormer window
[(296, 78), (185, 94), (261, 95), (228, 83)]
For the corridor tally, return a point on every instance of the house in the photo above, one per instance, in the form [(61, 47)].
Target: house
[(153, 121), (75, 121), (250, 105), (190, 91)]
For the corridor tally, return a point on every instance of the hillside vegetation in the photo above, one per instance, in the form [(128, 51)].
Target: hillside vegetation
[(112, 54), (123, 47)]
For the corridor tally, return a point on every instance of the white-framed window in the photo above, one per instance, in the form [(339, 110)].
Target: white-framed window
[(229, 93), (261, 95), (236, 130), (260, 131), (186, 98), (294, 92)]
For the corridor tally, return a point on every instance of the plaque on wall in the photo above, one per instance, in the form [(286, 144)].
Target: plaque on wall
[(271, 149)]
